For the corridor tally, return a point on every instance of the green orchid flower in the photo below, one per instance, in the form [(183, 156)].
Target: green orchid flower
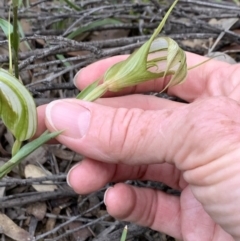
[(158, 57), (17, 109)]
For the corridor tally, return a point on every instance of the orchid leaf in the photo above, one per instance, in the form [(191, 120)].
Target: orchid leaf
[(25, 151), (6, 27)]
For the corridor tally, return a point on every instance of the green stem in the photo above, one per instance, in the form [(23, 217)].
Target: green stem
[(96, 93), (16, 146), (15, 39)]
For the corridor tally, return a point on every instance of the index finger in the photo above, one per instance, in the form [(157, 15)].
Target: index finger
[(212, 78)]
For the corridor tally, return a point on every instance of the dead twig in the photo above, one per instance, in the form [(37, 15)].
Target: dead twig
[(23, 199)]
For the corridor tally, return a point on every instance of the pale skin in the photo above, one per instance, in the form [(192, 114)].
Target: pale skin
[(192, 147)]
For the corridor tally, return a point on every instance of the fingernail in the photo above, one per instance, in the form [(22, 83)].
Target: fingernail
[(69, 174), (76, 77), (105, 195), (69, 116)]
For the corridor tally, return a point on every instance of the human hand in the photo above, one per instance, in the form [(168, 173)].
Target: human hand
[(190, 147)]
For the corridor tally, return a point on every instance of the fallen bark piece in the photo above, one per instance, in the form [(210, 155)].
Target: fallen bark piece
[(38, 210), (35, 172), (80, 235), (12, 230)]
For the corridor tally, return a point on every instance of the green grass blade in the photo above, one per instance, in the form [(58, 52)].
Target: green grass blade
[(93, 25), (72, 5), (124, 234), (61, 57)]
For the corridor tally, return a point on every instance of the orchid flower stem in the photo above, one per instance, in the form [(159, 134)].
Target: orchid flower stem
[(96, 93)]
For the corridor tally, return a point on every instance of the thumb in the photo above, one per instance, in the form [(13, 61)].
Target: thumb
[(131, 136), (135, 136)]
